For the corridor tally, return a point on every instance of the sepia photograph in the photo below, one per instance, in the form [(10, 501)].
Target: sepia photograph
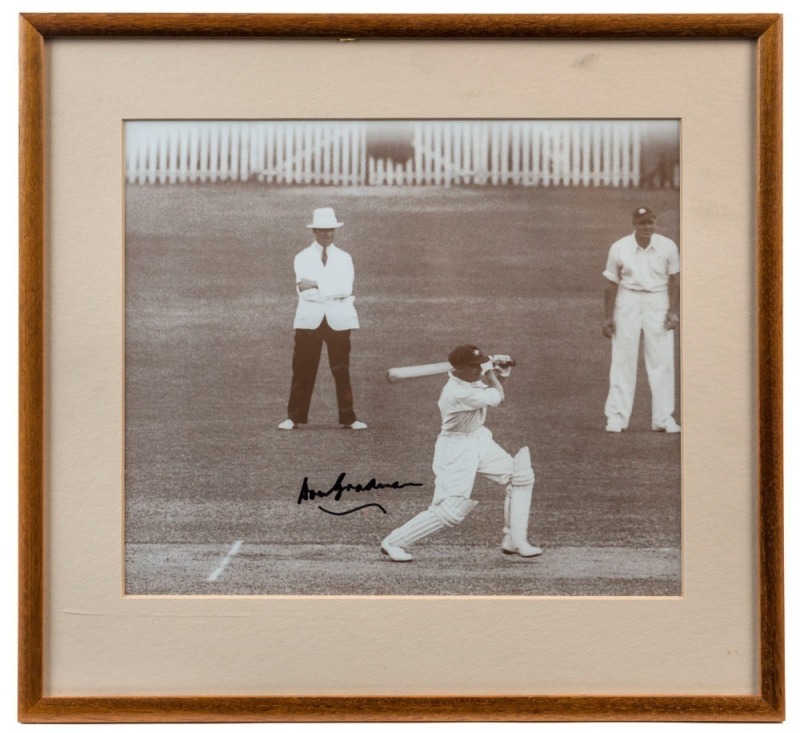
[(402, 358)]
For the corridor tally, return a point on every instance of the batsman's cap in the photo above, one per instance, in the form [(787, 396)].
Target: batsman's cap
[(643, 213), (324, 219), (466, 355)]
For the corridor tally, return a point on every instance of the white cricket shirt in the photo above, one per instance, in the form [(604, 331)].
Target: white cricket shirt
[(463, 404), (645, 269)]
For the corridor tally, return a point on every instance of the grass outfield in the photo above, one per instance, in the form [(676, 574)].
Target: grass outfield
[(209, 309)]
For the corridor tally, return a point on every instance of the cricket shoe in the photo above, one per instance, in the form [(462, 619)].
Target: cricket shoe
[(508, 547), (669, 427), (357, 425), (395, 552), (614, 426), (287, 424)]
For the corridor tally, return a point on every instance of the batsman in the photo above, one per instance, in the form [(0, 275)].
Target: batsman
[(464, 449)]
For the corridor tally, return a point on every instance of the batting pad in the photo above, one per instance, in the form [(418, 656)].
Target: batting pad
[(519, 494), (523, 471), (416, 528), (454, 509)]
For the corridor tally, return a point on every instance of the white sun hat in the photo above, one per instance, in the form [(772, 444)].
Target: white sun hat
[(324, 219)]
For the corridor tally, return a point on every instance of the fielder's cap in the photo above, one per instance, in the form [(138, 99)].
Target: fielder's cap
[(643, 213), (466, 355), (324, 219)]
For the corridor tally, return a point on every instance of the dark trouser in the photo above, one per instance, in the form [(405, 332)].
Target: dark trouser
[(305, 362)]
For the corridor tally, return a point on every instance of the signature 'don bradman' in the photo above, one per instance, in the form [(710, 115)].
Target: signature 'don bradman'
[(339, 488)]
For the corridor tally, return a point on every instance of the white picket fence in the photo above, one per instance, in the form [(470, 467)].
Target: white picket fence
[(518, 153), (274, 152), (452, 153)]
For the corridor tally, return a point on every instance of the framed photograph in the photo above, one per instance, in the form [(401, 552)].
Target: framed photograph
[(381, 368)]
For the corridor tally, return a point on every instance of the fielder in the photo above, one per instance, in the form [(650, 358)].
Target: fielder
[(641, 297), (464, 449)]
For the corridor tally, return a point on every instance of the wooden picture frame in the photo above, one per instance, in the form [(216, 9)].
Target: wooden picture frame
[(37, 30)]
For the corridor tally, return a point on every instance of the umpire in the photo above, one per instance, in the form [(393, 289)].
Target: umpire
[(325, 314)]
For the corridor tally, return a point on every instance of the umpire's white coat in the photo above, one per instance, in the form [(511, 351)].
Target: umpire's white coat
[(333, 300)]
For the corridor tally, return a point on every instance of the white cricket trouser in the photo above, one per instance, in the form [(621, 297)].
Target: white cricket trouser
[(459, 457), (638, 312)]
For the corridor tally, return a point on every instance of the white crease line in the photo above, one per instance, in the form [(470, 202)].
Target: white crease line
[(225, 561)]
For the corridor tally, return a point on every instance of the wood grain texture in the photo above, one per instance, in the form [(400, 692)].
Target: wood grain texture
[(244, 25), (34, 706), (769, 244), (31, 372), (399, 709)]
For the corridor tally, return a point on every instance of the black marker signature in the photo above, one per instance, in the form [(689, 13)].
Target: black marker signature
[(350, 511), (339, 488)]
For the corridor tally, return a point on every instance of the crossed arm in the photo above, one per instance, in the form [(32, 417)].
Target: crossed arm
[(334, 286)]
